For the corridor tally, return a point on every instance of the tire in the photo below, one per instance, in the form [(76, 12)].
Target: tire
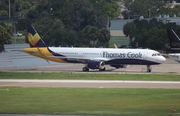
[(85, 69)]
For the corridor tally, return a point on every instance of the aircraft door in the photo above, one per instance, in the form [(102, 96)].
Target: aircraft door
[(80, 54), (145, 56)]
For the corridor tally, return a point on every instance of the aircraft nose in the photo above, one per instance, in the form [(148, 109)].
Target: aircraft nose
[(162, 59)]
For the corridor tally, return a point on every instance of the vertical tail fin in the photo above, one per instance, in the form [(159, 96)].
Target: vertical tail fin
[(115, 46), (173, 39), (34, 38)]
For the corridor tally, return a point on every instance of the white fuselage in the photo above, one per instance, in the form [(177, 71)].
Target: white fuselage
[(109, 55)]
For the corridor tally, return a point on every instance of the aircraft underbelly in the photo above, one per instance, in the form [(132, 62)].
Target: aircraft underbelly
[(131, 61)]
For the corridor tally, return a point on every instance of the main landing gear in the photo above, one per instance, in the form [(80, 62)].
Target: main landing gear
[(149, 68), (86, 69)]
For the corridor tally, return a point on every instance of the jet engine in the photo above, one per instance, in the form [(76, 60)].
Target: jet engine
[(96, 65)]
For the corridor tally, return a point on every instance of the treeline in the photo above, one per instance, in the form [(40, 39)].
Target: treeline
[(72, 22), (150, 8), (149, 34), (86, 22)]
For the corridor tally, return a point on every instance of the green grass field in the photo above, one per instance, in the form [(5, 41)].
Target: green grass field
[(88, 76), (49, 100), (151, 102), (118, 40), (18, 40)]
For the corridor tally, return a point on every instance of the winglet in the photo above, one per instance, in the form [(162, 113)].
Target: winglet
[(115, 46), (34, 38)]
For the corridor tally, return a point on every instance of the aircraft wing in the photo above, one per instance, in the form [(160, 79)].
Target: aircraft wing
[(79, 59), (65, 58), (175, 56)]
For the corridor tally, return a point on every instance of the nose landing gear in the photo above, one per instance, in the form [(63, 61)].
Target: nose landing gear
[(149, 68)]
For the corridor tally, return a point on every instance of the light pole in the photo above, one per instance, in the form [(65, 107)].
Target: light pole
[(149, 13), (14, 33), (9, 10), (128, 14)]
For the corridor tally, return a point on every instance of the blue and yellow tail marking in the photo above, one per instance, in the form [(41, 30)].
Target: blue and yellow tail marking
[(34, 38), (38, 48)]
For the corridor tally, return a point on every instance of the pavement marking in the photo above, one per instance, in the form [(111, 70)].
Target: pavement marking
[(83, 81)]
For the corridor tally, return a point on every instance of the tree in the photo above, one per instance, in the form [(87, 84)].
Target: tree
[(155, 23), (148, 34), (153, 38), (146, 8), (74, 15), (129, 29), (3, 13), (5, 35), (91, 33), (80, 13), (51, 31), (104, 37), (151, 34), (109, 7), (156, 38)]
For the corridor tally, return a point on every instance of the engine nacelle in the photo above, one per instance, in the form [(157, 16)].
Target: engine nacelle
[(118, 66), (96, 65)]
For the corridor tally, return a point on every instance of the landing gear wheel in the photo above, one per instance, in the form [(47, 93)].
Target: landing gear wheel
[(85, 69), (102, 69), (148, 68)]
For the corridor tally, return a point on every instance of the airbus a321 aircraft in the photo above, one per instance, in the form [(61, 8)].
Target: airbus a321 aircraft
[(174, 44), (93, 58)]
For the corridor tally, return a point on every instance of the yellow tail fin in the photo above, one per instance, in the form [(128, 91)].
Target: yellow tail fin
[(34, 38)]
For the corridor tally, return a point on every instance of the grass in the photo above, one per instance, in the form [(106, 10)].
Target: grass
[(18, 40), (118, 40), (152, 102), (89, 101), (88, 76)]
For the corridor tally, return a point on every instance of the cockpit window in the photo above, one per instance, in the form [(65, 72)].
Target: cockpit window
[(156, 54)]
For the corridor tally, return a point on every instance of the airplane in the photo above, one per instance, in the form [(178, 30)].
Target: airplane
[(93, 58), (174, 44)]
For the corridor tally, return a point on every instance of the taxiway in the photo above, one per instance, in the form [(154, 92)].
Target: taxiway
[(169, 67), (89, 83)]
